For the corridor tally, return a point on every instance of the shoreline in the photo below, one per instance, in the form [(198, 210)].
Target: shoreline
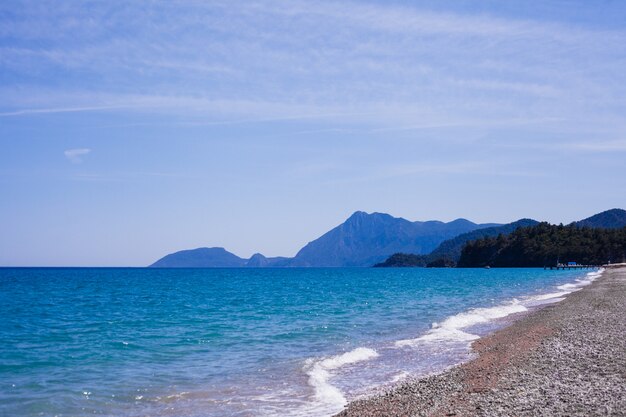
[(547, 362)]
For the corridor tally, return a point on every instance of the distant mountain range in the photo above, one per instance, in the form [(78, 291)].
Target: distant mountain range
[(452, 248), (367, 239), (362, 240), (448, 253), (200, 258), (213, 258)]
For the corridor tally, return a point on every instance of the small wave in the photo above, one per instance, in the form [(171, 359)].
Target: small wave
[(565, 289), (399, 377), (569, 286), (581, 282), (451, 328), (320, 372), (550, 296)]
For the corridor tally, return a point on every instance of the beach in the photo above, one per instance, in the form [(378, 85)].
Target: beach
[(244, 341), (567, 358)]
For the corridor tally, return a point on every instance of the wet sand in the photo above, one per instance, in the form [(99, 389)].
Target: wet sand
[(566, 359)]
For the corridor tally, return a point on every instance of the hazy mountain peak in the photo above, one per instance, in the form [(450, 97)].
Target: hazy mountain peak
[(609, 219), (257, 260), (358, 214), (200, 258), (364, 239), (362, 215), (461, 220)]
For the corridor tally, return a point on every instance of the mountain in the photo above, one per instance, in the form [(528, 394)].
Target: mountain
[(451, 248), (214, 258), (365, 239), (200, 258), (259, 261), (610, 219), (362, 240), (449, 251), (404, 260), (545, 245)]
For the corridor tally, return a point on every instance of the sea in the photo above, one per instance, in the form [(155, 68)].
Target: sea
[(243, 342)]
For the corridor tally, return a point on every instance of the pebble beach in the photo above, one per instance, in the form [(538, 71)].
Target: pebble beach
[(565, 359)]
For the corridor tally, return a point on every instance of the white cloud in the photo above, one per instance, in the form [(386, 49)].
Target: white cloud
[(25, 112), (601, 146), (388, 67), (75, 156)]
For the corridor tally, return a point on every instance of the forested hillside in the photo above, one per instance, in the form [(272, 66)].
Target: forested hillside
[(545, 245), (448, 252)]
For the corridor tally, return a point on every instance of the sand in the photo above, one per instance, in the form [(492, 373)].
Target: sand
[(566, 359)]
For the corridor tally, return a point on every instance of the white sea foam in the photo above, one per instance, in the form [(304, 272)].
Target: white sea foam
[(400, 376), (581, 282), (565, 289), (451, 329), (329, 399), (550, 296), (568, 287), (321, 371)]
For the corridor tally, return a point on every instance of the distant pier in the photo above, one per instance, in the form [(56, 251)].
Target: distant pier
[(573, 266)]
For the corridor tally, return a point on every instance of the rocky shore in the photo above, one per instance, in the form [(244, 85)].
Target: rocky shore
[(567, 359)]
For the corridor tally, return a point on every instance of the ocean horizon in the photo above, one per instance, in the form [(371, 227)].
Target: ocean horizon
[(243, 341)]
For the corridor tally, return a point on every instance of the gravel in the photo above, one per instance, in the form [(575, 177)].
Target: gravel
[(566, 359)]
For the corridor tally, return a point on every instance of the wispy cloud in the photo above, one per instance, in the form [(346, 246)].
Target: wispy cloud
[(75, 156), (600, 146), (122, 176), (430, 170), (26, 112), (572, 145), (347, 56), (387, 68)]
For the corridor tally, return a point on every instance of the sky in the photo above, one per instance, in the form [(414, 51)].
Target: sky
[(129, 130)]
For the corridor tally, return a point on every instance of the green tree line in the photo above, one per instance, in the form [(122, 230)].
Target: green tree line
[(545, 245)]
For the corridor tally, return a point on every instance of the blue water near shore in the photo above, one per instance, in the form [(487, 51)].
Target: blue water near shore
[(242, 342)]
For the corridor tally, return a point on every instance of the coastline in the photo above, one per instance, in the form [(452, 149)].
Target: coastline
[(566, 358)]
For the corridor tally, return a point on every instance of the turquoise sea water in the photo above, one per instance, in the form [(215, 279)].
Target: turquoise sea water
[(241, 342)]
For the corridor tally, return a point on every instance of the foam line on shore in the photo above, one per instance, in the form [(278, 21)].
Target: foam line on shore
[(321, 371), (568, 288), (452, 328), (549, 353)]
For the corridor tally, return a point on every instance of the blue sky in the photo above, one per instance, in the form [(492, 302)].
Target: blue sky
[(132, 129)]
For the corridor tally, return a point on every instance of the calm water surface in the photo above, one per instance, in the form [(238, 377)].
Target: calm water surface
[(241, 342)]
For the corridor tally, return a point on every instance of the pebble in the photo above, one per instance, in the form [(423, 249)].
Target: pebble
[(577, 369)]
